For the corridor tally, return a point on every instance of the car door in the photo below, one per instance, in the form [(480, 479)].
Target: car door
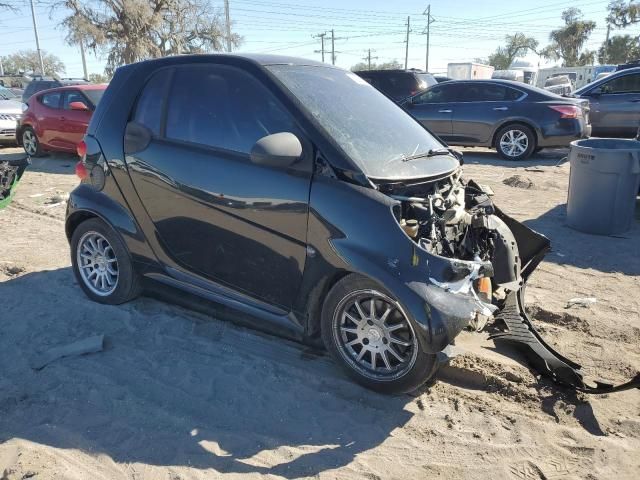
[(74, 122), (432, 108), (216, 214), (615, 106), (48, 115), (482, 108)]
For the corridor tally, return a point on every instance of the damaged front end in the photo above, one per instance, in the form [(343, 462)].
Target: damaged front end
[(10, 173), (479, 261)]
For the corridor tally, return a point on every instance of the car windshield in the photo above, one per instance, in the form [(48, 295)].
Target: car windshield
[(6, 94), (94, 95), (378, 135)]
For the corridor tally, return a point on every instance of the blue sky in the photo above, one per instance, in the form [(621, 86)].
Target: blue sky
[(463, 30)]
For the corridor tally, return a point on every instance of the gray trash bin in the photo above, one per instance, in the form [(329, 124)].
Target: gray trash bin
[(603, 184)]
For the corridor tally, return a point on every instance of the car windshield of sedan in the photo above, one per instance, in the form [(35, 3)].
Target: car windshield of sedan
[(380, 137), (6, 94)]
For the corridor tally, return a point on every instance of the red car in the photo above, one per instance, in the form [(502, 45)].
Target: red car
[(57, 119)]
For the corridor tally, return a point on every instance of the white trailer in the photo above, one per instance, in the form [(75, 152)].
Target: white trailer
[(580, 76), (468, 71)]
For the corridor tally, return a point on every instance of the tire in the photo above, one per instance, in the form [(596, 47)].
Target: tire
[(537, 150), (30, 143), (96, 247), (346, 340), (515, 142)]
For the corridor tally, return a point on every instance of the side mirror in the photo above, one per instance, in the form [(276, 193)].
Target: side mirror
[(78, 106), (596, 92), (279, 150), (136, 137)]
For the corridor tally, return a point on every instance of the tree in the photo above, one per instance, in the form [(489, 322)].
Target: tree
[(623, 14), (99, 78), (392, 65), (27, 61), (567, 42), (619, 49), (516, 45), (132, 30)]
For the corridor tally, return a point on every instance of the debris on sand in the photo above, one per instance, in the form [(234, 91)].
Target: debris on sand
[(12, 271), (518, 181), (81, 347), (581, 302)]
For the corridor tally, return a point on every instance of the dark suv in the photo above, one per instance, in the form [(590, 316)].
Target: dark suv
[(44, 83), (398, 84), (265, 196)]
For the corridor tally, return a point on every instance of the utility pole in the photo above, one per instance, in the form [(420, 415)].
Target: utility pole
[(606, 45), (406, 51), (333, 47), (84, 61), (321, 36), (35, 30), (1, 67), (226, 14), (426, 32), (368, 59)]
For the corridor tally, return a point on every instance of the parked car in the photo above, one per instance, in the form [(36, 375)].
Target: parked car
[(398, 84), (560, 85), (265, 196), (615, 103), (10, 111), (442, 78), (56, 119), (44, 83), (513, 75), (514, 118)]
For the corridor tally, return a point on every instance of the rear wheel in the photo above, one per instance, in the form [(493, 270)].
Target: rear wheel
[(102, 265), (30, 143), (373, 339), (515, 142)]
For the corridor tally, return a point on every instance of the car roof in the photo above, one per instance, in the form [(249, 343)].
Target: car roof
[(90, 86), (261, 59)]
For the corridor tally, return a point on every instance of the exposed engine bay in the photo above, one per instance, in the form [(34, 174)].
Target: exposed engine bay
[(10, 173), (451, 218)]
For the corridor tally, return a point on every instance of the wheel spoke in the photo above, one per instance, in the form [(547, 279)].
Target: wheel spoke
[(359, 309), (349, 330), (385, 359), (374, 355), (361, 354), (398, 341), (372, 309), (394, 353), (395, 327), (353, 319), (384, 316)]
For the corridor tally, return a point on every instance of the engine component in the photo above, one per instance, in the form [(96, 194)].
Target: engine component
[(10, 173)]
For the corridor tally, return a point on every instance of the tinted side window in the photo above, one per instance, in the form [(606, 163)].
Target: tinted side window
[(51, 100), (624, 84), (485, 92), (223, 107), (73, 96), (433, 95), (512, 94), (398, 83), (150, 102)]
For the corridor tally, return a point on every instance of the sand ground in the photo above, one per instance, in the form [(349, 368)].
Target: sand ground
[(181, 395)]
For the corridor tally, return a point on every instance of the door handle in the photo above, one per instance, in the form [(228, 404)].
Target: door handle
[(444, 111), (501, 109)]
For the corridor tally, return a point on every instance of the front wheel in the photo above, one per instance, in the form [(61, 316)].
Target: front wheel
[(30, 143), (373, 339), (515, 142), (102, 264)]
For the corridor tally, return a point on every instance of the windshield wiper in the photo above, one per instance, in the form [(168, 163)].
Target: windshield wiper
[(430, 153)]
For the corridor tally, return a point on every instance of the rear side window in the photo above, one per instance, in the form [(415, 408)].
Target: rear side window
[(440, 94), (487, 92), (223, 107), (398, 83), (51, 100), (623, 84), (150, 102)]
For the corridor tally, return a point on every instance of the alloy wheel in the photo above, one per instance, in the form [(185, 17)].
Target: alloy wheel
[(374, 335), (97, 263), (29, 142), (514, 143)]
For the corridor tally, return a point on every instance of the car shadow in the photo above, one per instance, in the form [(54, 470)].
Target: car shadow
[(616, 253), (545, 158), (172, 387)]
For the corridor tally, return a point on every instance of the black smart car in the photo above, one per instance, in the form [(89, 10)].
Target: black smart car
[(301, 197), (398, 84), (514, 118)]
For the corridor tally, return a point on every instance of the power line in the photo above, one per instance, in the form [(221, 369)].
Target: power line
[(321, 36)]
